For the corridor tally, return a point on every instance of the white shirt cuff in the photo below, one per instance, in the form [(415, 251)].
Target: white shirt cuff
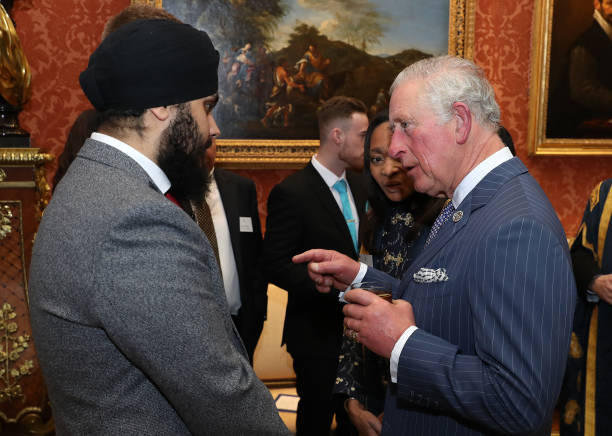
[(397, 351), (363, 269)]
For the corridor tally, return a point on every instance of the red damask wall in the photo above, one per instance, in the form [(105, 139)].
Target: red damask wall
[(58, 37)]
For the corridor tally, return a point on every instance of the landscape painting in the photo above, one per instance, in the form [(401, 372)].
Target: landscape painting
[(279, 59)]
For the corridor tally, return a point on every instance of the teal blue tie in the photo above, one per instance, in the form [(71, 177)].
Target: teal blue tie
[(340, 186)]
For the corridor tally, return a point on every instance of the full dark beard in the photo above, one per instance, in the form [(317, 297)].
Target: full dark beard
[(181, 157)]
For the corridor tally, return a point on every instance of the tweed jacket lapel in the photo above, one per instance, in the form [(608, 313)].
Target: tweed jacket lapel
[(105, 154), (323, 195), (479, 197)]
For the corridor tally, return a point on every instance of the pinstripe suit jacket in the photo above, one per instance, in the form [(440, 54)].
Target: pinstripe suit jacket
[(490, 351)]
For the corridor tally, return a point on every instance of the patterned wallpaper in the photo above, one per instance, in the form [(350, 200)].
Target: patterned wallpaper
[(58, 37), (503, 49)]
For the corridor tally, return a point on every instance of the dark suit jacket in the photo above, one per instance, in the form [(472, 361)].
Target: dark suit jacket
[(129, 317), (489, 353), (302, 214), (239, 198)]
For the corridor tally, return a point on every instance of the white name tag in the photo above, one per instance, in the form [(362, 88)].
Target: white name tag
[(246, 224)]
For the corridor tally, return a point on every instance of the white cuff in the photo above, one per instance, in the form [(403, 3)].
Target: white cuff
[(363, 269), (397, 351)]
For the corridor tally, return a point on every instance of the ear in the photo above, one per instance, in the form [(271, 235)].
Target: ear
[(337, 135), (162, 113), (463, 122)]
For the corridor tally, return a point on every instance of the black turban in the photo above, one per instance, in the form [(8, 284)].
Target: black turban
[(150, 63)]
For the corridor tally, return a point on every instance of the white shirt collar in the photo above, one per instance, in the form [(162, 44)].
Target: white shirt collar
[(329, 177), (155, 173), (479, 172), (607, 27)]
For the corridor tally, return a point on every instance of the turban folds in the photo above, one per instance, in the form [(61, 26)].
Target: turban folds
[(150, 63)]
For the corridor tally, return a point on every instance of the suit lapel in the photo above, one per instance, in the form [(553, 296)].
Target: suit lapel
[(480, 196)]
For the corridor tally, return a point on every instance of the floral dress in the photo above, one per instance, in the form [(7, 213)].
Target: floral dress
[(361, 373)]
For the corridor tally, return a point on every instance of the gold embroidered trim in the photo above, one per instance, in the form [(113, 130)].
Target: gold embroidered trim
[(590, 384), (594, 197), (604, 223), (575, 348)]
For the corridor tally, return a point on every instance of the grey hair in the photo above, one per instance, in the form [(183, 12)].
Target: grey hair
[(450, 79)]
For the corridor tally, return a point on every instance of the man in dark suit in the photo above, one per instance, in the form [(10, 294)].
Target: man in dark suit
[(307, 211), (478, 332), (127, 306), (232, 200)]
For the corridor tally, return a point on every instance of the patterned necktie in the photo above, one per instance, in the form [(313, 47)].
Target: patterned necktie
[(340, 186), (445, 214), (204, 219)]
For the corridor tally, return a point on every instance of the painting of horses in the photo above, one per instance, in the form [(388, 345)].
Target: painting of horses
[(280, 59)]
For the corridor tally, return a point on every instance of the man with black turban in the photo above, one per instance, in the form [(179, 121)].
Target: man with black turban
[(128, 310)]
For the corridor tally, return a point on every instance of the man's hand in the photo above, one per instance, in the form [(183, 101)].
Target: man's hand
[(602, 286), (366, 423), (379, 324), (329, 269)]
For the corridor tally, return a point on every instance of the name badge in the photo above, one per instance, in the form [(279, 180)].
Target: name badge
[(246, 224)]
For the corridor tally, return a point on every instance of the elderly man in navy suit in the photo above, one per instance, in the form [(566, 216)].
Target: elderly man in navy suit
[(479, 328)]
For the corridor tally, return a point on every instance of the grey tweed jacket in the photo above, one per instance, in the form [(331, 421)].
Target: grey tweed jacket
[(129, 316)]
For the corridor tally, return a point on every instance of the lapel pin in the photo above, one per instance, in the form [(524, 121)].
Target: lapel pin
[(457, 216)]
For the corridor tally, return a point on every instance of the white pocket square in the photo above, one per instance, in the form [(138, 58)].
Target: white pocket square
[(429, 275)]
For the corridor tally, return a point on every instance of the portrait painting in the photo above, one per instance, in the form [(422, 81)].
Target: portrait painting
[(280, 59), (571, 87)]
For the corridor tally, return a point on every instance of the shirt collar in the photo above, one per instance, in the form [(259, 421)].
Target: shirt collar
[(479, 172), (607, 27), (329, 177), (153, 171)]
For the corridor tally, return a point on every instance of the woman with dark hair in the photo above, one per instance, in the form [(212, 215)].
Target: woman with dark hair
[(393, 233)]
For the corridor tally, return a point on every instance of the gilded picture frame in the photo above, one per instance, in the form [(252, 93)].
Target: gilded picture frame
[(246, 153), (557, 24)]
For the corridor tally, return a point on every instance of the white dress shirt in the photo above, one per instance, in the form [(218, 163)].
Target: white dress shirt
[(229, 270), (330, 179)]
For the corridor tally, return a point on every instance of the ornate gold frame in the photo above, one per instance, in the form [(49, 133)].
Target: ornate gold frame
[(284, 154), (16, 157), (539, 144)]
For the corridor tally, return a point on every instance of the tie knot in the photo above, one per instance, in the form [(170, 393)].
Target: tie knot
[(444, 215), (340, 186), (448, 209)]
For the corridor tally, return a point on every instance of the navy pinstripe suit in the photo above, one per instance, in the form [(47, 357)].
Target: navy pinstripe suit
[(490, 351)]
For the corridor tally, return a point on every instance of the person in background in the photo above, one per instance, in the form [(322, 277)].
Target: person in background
[(479, 328), (232, 226), (319, 206), (87, 121), (127, 306), (586, 400), (392, 233)]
